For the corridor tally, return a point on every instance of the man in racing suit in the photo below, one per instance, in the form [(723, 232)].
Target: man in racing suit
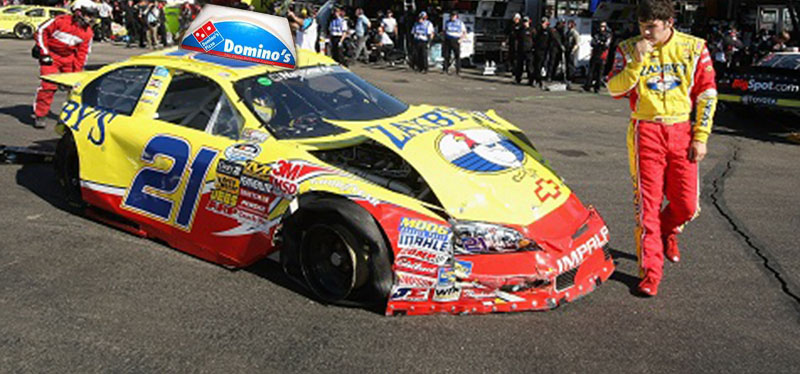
[(665, 74), (63, 44)]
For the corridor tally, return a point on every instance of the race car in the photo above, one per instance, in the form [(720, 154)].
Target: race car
[(366, 199), (773, 83), (22, 20)]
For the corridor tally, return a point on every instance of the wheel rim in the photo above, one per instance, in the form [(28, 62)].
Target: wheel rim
[(328, 262), (24, 31)]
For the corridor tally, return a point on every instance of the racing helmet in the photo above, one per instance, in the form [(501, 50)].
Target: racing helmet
[(264, 107)]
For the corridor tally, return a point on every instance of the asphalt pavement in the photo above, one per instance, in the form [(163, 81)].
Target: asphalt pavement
[(79, 296)]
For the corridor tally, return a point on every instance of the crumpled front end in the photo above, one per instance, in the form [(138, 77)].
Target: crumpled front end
[(565, 257)]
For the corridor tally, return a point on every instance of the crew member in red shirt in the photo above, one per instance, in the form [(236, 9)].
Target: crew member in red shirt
[(63, 45)]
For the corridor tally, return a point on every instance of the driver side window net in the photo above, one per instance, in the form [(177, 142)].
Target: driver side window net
[(196, 102), (118, 90)]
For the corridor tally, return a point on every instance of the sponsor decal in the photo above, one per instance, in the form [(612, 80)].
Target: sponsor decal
[(410, 294), (433, 257), (480, 150), (100, 118), (546, 189), (154, 83), (242, 35), (575, 258), (448, 275), (160, 71), (255, 136), (479, 293), (417, 233), (348, 189), (446, 294), (242, 152), (753, 85), (666, 69), (399, 133), (417, 266), (150, 92), (226, 167), (663, 83), (414, 280), (759, 100)]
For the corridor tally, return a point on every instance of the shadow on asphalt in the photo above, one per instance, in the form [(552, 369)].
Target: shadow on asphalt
[(23, 113), (757, 124), (40, 178)]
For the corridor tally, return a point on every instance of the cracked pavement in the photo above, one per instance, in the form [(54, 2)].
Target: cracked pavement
[(78, 296)]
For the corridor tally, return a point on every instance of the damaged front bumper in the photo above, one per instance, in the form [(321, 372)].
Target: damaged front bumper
[(569, 265)]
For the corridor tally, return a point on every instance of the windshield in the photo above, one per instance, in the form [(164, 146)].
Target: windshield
[(294, 104), (780, 60)]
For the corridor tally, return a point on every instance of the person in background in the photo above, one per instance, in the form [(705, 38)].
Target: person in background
[(306, 26), (541, 44), (162, 22), (423, 33), (104, 10), (573, 40), (556, 52), (362, 29), (455, 31), (511, 30), (390, 25), (524, 47), (384, 44), (666, 75), (62, 45), (338, 31), (152, 18), (601, 41), (131, 23)]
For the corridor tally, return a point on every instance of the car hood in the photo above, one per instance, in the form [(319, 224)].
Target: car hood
[(475, 166)]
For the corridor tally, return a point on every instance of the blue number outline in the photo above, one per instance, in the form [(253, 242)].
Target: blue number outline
[(141, 188)]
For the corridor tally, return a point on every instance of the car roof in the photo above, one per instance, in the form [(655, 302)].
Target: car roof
[(235, 69)]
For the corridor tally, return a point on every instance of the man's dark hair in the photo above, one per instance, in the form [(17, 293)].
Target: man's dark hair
[(653, 10)]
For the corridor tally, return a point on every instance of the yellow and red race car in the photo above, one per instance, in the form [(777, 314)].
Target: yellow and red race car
[(425, 209), (22, 20)]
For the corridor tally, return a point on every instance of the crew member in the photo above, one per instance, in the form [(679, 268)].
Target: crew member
[(516, 23), (600, 43), (573, 40), (455, 32), (556, 50), (666, 75), (541, 43), (423, 33), (338, 31), (62, 45), (524, 45)]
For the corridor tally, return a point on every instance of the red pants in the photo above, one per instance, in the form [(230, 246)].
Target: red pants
[(660, 167), (46, 90)]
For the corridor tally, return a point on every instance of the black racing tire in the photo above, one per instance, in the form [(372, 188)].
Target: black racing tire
[(67, 167), (23, 31), (340, 252)]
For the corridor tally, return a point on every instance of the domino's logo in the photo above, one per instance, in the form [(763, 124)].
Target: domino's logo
[(207, 36)]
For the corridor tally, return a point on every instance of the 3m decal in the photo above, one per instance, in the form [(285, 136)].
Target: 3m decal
[(153, 190)]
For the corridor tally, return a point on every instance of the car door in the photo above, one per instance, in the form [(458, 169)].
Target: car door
[(10, 16)]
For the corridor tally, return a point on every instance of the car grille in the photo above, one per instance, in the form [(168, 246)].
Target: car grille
[(566, 280)]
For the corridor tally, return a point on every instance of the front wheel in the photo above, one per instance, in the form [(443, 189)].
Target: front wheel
[(23, 31), (333, 261)]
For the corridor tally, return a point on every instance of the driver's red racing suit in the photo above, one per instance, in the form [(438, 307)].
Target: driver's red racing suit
[(68, 44), (663, 89)]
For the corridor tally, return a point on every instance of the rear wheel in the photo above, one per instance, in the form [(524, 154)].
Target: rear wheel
[(23, 31), (68, 170)]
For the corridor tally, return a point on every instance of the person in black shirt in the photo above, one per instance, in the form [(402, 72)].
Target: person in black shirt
[(541, 44), (601, 41), (524, 47), (556, 49)]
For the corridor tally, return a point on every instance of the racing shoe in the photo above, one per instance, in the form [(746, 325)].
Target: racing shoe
[(671, 248), (648, 287), (39, 122)]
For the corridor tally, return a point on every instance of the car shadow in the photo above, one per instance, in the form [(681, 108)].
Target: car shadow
[(41, 180), (756, 123), (23, 113)]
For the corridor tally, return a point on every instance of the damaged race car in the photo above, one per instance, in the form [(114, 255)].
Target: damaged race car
[(421, 209)]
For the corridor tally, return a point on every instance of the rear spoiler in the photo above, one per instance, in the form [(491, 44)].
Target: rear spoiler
[(69, 80)]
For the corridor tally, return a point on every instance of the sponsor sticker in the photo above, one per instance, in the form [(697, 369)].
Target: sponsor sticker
[(414, 280), (447, 275), (416, 266), (433, 257), (242, 35), (446, 294), (410, 294), (418, 233), (254, 136), (242, 152), (480, 150)]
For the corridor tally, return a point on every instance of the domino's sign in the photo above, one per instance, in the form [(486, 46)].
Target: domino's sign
[(242, 35)]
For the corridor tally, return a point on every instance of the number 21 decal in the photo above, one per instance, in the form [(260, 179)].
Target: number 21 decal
[(150, 184)]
